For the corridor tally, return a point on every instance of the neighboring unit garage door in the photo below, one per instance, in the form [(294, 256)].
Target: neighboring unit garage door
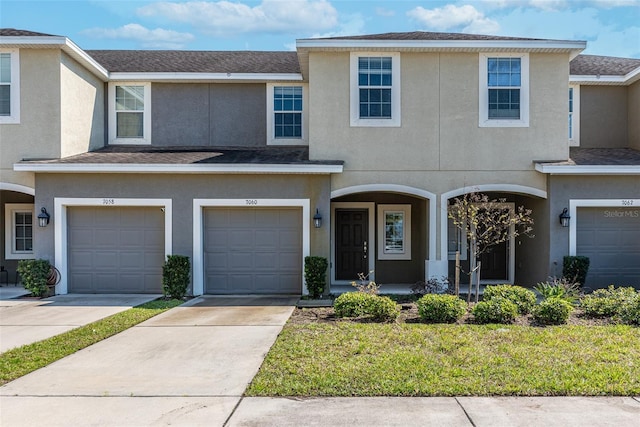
[(253, 250), (115, 249), (610, 237)]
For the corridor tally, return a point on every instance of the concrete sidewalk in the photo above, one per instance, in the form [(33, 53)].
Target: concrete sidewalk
[(24, 321)]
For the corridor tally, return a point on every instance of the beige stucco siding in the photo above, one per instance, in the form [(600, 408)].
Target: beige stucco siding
[(603, 116), (82, 109), (634, 115), (38, 133), (439, 114)]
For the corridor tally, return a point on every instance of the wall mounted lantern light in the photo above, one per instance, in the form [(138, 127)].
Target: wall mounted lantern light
[(43, 218), (564, 218), (317, 219)]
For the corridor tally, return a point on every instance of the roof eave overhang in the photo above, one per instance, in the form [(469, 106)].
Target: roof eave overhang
[(223, 168), (59, 42), (444, 45), (552, 169), (206, 77), (625, 80)]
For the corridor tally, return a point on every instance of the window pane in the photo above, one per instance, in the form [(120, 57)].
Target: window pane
[(23, 231), (5, 68), (503, 72), (130, 98), (394, 232), (504, 103), (375, 81), (288, 125), (129, 125), (5, 100)]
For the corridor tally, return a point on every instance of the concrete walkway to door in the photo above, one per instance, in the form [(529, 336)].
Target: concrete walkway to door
[(187, 366)]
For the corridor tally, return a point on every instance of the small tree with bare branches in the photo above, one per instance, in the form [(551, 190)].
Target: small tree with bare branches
[(485, 223)]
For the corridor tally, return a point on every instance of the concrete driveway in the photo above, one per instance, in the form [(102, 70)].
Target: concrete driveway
[(187, 366), (24, 321)]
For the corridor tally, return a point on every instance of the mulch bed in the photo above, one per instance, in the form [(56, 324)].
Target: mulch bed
[(409, 314)]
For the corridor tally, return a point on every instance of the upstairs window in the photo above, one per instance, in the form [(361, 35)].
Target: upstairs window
[(503, 75), (286, 114), (130, 118), (9, 86), (504, 90), (287, 107), (375, 89), (574, 116)]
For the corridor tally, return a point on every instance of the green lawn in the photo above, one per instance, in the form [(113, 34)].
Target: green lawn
[(23, 360), (355, 359)]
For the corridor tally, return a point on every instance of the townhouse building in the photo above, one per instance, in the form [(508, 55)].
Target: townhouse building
[(351, 148)]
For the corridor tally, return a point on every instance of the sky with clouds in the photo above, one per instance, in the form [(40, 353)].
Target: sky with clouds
[(610, 27)]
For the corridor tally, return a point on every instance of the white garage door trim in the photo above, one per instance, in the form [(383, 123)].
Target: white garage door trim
[(198, 229), (59, 220), (574, 204)]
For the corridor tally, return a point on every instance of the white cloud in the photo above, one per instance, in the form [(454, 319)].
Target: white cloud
[(459, 18), (556, 5), (381, 11), (157, 38), (350, 25), (224, 17)]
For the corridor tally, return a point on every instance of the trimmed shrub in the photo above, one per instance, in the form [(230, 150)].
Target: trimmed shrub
[(175, 276), (35, 274), (357, 304), (607, 302), (575, 268), (315, 268), (383, 309), (441, 308), (523, 298), (495, 310), (630, 311), (552, 311)]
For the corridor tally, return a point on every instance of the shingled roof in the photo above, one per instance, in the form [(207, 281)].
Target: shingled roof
[(594, 65), (12, 32), (185, 61), (191, 155), (422, 35)]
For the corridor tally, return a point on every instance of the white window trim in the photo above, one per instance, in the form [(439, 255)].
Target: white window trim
[(146, 139), (575, 140), (271, 139), (355, 119), (483, 96), (406, 232), (10, 210), (14, 117)]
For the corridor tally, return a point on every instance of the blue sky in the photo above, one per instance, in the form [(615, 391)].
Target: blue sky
[(611, 27)]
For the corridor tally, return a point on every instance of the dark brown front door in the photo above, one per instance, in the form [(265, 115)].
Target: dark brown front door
[(494, 263), (352, 243)]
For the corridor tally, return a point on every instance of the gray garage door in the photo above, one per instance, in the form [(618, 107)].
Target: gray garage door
[(253, 250), (610, 237), (115, 249)]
